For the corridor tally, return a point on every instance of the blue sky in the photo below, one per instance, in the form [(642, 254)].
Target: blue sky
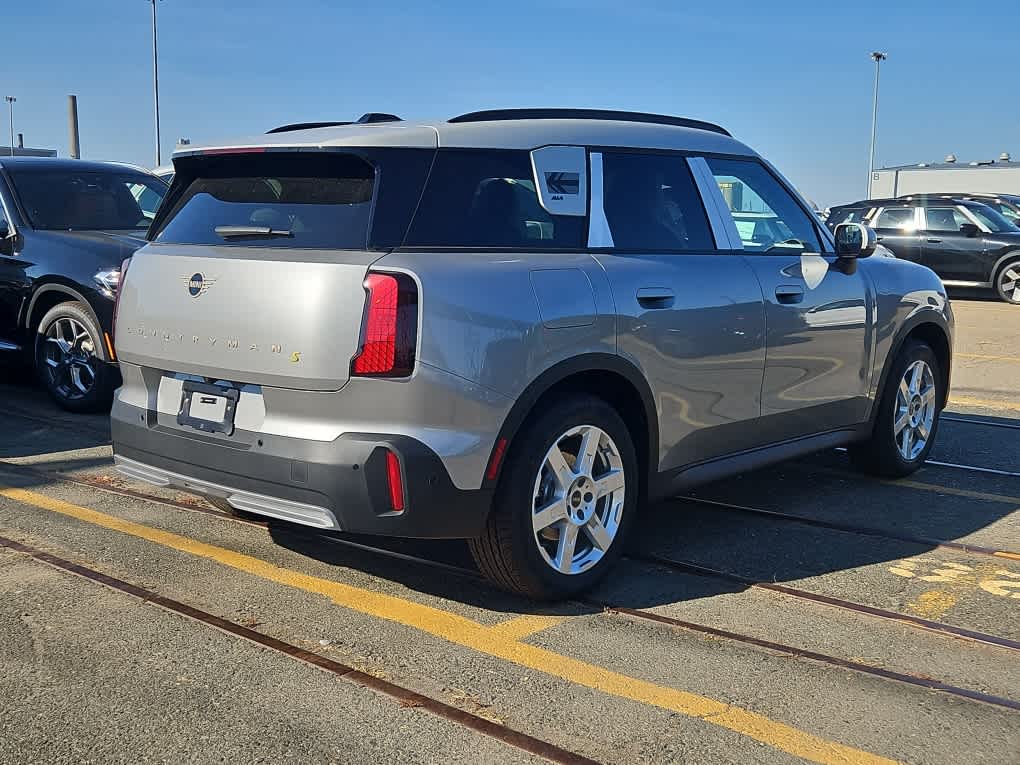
[(792, 79)]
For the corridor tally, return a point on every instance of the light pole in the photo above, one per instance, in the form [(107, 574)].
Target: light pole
[(878, 57), (10, 100), (155, 79)]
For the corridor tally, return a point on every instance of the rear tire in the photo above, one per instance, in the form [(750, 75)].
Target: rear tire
[(560, 520), (1007, 282), (908, 416), (71, 359)]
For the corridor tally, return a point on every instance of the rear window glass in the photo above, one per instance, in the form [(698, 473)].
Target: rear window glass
[(651, 203), (315, 200), (488, 199), (896, 217), (847, 215), (87, 200)]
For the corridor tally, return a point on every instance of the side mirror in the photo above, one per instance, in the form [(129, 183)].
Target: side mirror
[(854, 240), (969, 229), (6, 240)]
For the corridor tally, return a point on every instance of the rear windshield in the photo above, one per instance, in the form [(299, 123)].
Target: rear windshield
[(58, 199), (314, 200)]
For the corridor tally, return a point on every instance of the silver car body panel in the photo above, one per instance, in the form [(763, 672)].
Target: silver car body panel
[(730, 368)]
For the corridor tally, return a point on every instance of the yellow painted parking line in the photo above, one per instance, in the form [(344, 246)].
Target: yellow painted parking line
[(984, 403), (525, 626), (986, 357), (488, 640)]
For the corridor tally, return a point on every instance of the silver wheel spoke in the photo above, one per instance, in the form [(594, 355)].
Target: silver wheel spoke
[(928, 396), (554, 512), (904, 390), (922, 431), (915, 379), (908, 443), (608, 483), (559, 467), (598, 533), (901, 423), (565, 548), (586, 454)]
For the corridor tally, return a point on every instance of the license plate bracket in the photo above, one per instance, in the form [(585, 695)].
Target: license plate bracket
[(209, 408)]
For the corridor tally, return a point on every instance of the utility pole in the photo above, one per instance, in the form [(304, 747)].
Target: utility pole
[(155, 80), (878, 57), (10, 100)]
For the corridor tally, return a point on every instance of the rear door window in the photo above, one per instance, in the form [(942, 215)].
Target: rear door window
[(487, 199), (944, 219), (901, 218), (767, 216), (652, 204), (314, 200)]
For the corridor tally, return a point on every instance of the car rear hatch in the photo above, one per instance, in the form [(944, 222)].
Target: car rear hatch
[(257, 265)]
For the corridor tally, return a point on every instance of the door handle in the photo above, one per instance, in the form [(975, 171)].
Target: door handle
[(655, 297), (789, 293), (934, 241)]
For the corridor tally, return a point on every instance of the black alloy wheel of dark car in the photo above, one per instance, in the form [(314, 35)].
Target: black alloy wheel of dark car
[(72, 361), (1007, 281)]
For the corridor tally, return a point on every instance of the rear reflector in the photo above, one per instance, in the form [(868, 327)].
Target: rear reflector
[(496, 460), (395, 481), (390, 328)]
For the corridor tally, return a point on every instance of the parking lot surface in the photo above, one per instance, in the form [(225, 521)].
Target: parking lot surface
[(800, 613)]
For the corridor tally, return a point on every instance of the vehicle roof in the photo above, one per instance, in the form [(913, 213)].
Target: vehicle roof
[(910, 199), (968, 195), (65, 163), (498, 133)]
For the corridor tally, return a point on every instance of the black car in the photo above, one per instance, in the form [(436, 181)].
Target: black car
[(66, 227), (1008, 205), (966, 242)]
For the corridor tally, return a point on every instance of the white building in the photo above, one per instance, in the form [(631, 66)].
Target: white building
[(1001, 176)]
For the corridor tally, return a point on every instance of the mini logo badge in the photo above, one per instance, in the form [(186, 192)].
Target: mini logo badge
[(198, 284)]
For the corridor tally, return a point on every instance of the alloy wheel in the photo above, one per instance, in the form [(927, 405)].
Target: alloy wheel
[(914, 416), (578, 499), (1009, 283), (69, 356)]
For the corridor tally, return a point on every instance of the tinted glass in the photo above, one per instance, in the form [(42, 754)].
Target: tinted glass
[(651, 203), (896, 217), (1005, 210), (847, 215), (996, 223), (488, 199), (293, 200), (83, 200), (945, 218), (767, 216)]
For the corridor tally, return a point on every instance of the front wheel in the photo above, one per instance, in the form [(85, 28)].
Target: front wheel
[(908, 416), (71, 359), (1007, 283), (565, 501)]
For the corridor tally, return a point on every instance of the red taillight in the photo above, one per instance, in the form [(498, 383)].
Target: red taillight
[(120, 291), (395, 481), (390, 329)]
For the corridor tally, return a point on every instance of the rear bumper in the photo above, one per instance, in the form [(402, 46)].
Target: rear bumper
[(338, 484)]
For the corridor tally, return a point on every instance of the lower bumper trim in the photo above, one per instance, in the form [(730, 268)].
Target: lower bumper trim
[(273, 507)]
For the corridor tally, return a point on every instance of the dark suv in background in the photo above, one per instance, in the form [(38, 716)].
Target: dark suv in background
[(66, 225), (966, 242)]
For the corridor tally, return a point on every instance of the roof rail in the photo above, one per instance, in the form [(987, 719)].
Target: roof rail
[(496, 115), (365, 119), (305, 126)]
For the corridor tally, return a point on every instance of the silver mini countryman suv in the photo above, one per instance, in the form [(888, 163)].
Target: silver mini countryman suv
[(513, 327)]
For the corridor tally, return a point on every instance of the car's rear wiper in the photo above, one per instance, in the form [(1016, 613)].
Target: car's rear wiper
[(235, 232)]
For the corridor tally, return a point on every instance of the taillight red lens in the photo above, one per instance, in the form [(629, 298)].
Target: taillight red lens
[(120, 291), (389, 333), (395, 481)]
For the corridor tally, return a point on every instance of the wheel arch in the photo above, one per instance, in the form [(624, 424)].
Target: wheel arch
[(993, 277), (50, 294), (611, 378), (931, 329)]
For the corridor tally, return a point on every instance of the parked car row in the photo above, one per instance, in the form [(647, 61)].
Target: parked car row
[(969, 240)]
